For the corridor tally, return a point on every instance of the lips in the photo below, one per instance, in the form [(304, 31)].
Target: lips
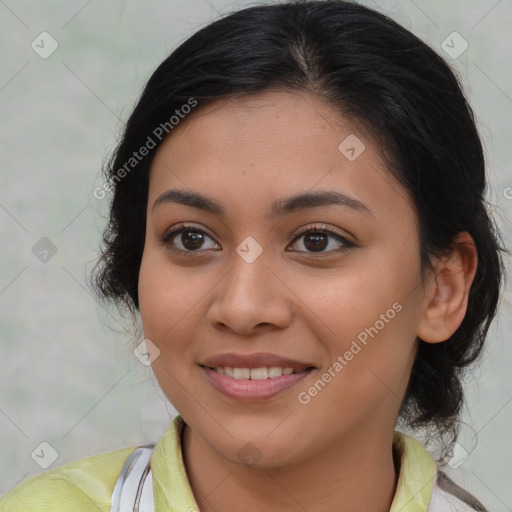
[(257, 360), (246, 389)]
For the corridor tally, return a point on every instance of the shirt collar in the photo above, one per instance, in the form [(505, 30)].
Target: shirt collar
[(417, 475), (173, 493), (171, 488)]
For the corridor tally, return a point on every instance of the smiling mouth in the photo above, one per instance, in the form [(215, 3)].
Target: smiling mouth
[(262, 373), (257, 383)]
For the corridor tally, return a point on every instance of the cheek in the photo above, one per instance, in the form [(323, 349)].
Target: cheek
[(152, 291), (171, 307), (372, 310), (165, 295), (357, 296), (165, 310)]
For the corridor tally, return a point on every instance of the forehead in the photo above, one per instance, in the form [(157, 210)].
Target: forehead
[(273, 115), (269, 141)]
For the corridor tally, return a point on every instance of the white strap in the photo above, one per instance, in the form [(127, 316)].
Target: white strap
[(133, 491), (147, 503)]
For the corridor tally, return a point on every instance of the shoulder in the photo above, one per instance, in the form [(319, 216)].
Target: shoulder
[(85, 484), (447, 496)]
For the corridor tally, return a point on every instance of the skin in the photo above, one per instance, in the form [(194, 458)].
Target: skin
[(336, 449)]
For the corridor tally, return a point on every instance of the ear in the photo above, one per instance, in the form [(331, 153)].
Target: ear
[(447, 289)]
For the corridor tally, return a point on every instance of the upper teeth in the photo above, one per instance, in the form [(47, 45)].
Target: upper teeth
[(254, 373)]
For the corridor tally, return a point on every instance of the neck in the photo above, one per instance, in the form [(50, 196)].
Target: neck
[(355, 476)]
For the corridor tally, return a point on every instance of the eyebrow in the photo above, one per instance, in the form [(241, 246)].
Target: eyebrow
[(279, 208)]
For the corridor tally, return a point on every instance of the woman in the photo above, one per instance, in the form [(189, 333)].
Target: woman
[(299, 219)]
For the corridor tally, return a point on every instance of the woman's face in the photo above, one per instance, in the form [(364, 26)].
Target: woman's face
[(327, 284)]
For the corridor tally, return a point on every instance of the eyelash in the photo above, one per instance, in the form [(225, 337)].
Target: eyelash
[(168, 236)]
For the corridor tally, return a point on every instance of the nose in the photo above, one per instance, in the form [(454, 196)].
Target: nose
[(250, 298)]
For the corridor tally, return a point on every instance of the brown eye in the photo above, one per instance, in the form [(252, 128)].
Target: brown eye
[(186, 239), (192, 239), (316, 240)]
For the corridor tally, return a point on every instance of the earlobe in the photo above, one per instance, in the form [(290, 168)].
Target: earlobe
[(447, 290)]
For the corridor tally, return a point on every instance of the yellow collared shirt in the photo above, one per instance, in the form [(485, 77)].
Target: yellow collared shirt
[(87, 484)]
